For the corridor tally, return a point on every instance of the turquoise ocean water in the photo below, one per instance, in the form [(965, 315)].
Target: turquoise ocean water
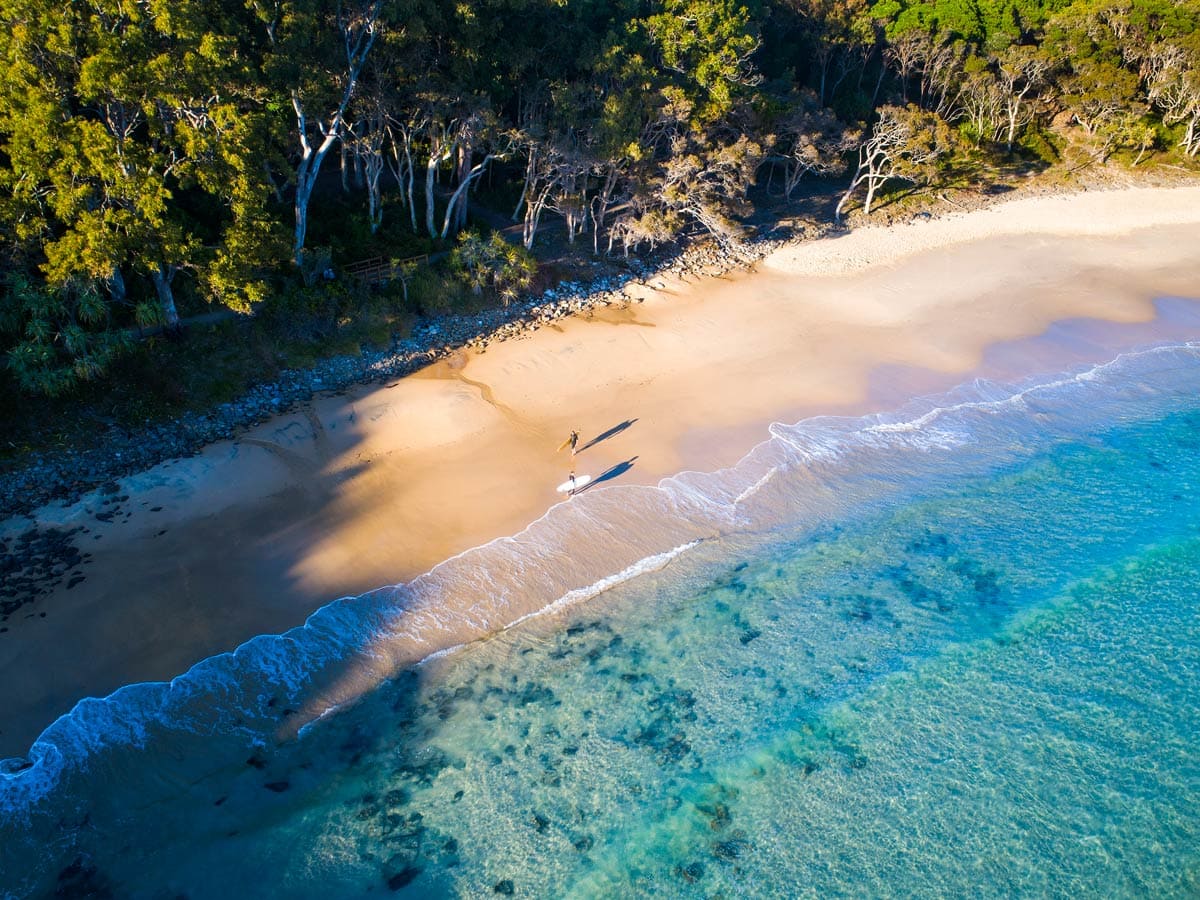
[(948, 651)]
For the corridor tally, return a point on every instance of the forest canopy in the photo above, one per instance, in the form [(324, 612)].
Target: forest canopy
[(166, 154)]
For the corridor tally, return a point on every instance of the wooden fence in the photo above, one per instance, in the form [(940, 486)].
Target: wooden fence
[(379, 270)]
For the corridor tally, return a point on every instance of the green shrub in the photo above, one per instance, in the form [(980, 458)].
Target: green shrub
[(1038, 143), (481, 262)]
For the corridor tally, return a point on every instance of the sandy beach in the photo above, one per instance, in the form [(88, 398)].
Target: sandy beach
[(377, 485)]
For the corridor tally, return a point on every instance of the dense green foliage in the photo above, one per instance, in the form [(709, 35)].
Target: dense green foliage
[(159, 156)]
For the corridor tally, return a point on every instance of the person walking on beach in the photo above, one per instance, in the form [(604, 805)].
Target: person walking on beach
[(572, 441), (571, 478)]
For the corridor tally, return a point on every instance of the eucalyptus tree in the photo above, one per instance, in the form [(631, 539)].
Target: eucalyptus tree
[(810, 140), (1169, 64), (833, 42), (317, 51), (980, 101), (1172, 72), (386, 111), (905, 144), (1023, 72), (697, 165), (1096, 85), (131, 149), (706, 49), (95, 147)]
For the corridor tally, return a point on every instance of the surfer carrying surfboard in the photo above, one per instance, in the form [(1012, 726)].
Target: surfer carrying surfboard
[(572, 441), (574, 483)]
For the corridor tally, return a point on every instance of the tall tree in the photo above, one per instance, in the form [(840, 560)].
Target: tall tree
[(1023, 71), (905, 144), (319, 53), (132, 149)]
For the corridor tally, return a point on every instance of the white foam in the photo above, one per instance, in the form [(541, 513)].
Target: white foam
[(756, 487), (641, 567)]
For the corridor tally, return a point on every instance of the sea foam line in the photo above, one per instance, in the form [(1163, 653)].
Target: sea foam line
[(642, 567)]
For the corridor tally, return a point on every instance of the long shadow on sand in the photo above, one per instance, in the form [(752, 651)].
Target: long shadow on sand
[(612, 432), (609, 474)]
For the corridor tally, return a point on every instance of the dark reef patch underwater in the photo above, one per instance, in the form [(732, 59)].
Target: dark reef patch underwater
[(977, 679)]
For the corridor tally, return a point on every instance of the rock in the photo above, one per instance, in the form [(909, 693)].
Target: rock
[(404, 877), (504, 887), (82, 879), (730, 850)]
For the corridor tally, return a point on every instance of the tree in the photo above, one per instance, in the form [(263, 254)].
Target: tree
[(832, 41), (981, 102), (1096, 85), (478, 131), (707, 45), (1172, 74), (709, 185), (319, 94), (905, 144), (813, 139), (132, 133), (552, 172), (1128, 128), (1022, 70)]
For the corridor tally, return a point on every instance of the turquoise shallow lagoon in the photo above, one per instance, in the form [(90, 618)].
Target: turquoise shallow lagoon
[(973, 674)]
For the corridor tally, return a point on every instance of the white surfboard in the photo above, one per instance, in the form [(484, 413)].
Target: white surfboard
[(580, 480)]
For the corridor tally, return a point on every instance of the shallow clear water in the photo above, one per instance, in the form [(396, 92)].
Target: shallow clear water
[(982, 682)]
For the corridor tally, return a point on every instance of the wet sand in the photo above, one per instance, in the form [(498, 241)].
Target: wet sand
[(377, 485)]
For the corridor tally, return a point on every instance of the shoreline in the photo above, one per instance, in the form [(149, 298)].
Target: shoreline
[(66, 476), (352, 492)]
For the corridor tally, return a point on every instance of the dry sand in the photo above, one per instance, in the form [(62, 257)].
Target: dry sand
[(377, 485)]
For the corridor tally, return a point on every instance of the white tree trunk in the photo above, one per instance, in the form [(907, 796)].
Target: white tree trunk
[(599, 208), (530, 175), (359, 36), (374, 167), (1191, 137), (430, 174), (459, 195), (401, 164), (116, 285), (440, 150), (162, 275), (408, 188), (533, 215), (344, 153)]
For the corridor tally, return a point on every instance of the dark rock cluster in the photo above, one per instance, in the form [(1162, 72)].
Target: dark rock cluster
[(33, 564)]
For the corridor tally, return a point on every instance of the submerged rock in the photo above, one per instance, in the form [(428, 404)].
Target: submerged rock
[(728, 851), (404, 877), (82, 879)]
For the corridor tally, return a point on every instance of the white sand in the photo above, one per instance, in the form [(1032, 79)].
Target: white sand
[(1094, 213)]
